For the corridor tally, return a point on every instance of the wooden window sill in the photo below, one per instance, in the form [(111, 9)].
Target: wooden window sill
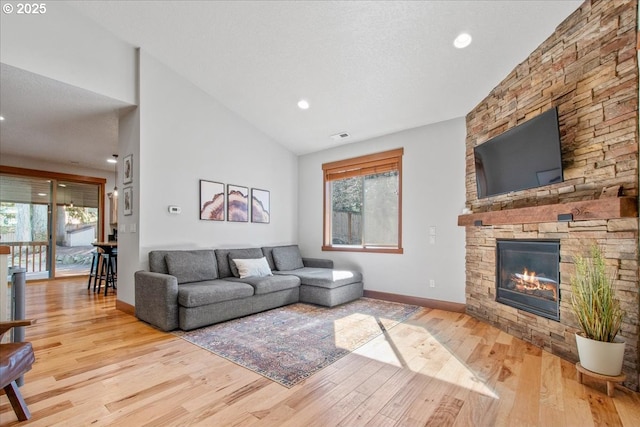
[(363, 249)]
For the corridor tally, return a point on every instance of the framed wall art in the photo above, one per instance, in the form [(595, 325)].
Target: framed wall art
[(128, 201), (237, 203), (260, 206), (127, 169), (211, 200)]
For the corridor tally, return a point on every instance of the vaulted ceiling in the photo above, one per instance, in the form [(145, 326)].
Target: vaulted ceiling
[(368, 68)]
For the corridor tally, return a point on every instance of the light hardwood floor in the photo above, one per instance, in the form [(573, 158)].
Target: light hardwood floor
[(99, 366)]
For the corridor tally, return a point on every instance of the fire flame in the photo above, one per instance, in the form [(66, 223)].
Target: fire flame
[(528, 281)]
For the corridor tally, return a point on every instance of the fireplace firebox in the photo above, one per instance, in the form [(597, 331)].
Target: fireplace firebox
[(528, 276)]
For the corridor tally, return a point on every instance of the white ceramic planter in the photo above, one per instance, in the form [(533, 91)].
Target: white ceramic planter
[(601, 357)]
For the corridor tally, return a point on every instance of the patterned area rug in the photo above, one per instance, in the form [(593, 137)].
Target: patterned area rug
[(289, 344)]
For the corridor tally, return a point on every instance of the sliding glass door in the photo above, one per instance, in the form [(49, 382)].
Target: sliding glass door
[(76, 227), (50, 224), (25, 223)]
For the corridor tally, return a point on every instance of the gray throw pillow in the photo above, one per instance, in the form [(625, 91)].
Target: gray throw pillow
[(287, 258), (192, 266)]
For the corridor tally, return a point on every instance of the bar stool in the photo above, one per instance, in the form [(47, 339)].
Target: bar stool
[(93, 273), (109, 271)]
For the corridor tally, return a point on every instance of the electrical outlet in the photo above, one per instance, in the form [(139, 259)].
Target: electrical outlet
[(432, 283)]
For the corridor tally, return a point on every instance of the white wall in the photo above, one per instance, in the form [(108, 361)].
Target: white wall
[(433, 194), (128, 240), (185, 136), (66, 46)]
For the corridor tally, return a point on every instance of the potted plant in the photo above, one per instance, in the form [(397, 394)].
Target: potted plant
[(599, 315)]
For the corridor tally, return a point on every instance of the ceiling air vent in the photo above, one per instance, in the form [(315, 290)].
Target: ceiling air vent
[(340, 136)]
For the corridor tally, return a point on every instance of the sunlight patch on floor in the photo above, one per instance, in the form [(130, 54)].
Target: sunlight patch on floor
[(427, 357), (365, 324)]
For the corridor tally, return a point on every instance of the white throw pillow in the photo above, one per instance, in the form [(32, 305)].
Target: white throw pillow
[(253, 267)]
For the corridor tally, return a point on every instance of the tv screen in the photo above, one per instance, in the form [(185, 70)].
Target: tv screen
[(526, 156)]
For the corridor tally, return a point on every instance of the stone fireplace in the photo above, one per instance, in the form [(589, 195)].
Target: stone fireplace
[(528, 276), (588, 69)]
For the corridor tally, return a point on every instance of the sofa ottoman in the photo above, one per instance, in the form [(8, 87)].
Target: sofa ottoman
[(320, 283)]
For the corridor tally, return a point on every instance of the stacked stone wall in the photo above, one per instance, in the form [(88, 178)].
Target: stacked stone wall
[(588, 69)]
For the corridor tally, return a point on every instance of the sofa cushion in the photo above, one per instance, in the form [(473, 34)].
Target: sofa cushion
[(224, 260), (268, 254), (192, 266), (268, 284), (212, 291), (252, 267), (157, 264), (324, 277), (287, 258)]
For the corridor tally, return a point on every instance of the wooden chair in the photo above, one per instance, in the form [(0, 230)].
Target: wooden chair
[(16, 358)]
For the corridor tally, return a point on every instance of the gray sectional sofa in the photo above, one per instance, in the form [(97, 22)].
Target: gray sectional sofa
[(188, 289)]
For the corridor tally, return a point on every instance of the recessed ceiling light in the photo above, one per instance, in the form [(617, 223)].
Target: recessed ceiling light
[(303, 104), (62, 185), (1, 118), (42, 194), (112, 161), (462, 41)]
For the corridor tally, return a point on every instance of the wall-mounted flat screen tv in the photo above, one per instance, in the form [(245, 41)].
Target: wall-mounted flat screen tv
[(526, 156)]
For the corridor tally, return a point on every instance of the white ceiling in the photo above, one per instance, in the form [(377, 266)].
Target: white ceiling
[(368, 68), (47, 119)]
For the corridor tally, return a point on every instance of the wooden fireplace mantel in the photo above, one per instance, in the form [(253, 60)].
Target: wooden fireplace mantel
[(604, 208)]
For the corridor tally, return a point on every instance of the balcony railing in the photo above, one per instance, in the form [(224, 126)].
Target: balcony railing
[(29, 255)]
